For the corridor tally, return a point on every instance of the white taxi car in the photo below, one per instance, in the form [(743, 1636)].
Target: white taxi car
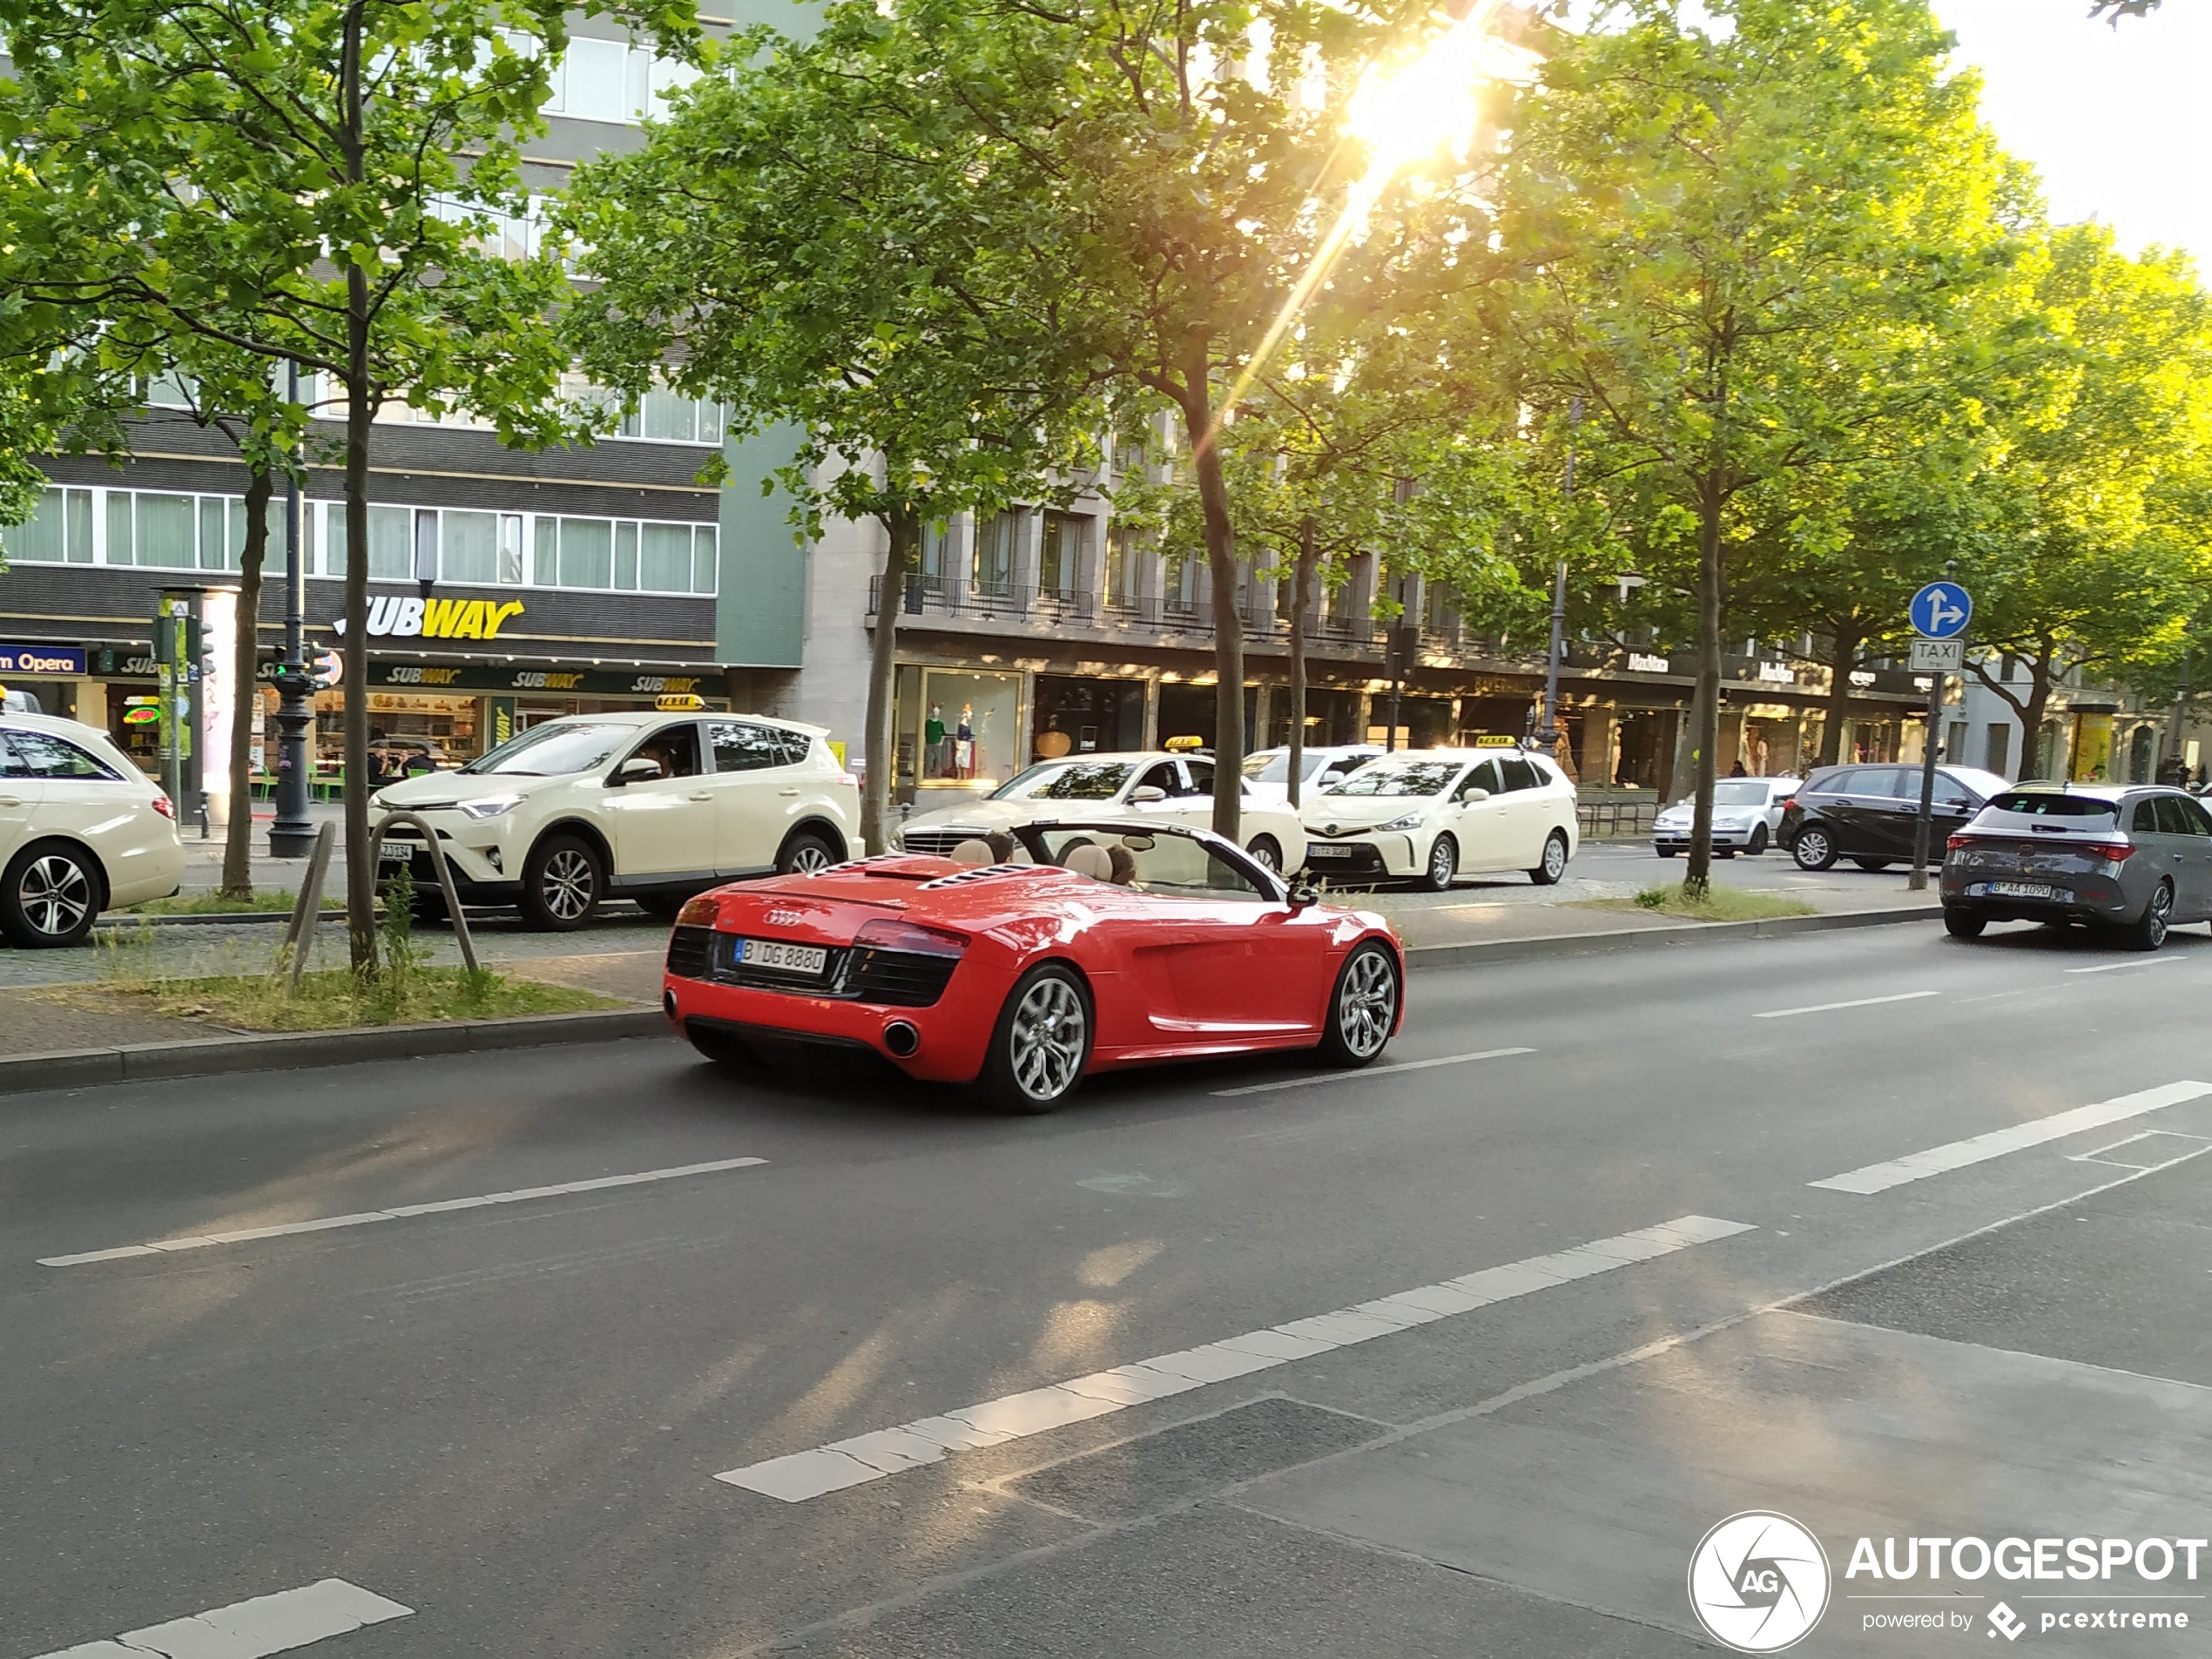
[(1267, 775), (651, 806), (1138, 784), (1431, 814), (81, 829)]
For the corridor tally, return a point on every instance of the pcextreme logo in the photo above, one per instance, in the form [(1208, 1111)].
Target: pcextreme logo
[(408, 617), (1759, 1582)]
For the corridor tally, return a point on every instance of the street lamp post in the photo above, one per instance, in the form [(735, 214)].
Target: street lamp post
[(1547, 734), (292, 836)]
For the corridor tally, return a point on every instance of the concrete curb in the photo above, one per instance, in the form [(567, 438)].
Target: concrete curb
[(1688, 933), (285, 1051), (612, 909)]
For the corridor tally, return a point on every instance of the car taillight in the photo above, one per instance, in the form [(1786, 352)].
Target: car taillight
[(1788, 803), (2111, 852), (848, 778), (886, 933), (1955, 842), (702, 911), (167, 807)]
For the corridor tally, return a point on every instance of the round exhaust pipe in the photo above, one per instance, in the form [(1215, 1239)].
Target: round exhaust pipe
[(668, 1003), (901, 1039)]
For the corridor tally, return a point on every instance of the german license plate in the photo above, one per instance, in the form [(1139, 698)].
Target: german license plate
[(396, 852), (780, 958), (1315, 851), (2018, 889)]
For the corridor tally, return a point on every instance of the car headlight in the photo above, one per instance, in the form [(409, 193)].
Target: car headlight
[(491, 806), (1410, 821)]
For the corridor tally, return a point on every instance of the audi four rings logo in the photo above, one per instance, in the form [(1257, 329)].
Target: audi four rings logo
[(784, 917), (1759, 1582)]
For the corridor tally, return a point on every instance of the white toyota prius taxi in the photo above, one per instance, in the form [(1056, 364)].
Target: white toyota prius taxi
[(1429, 814)]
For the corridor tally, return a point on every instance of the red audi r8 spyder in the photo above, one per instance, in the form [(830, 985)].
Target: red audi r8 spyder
[(1078, 948)]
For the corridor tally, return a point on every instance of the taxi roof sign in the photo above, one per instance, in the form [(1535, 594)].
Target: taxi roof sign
[(1493, 740), (1184, 745), (679, 702)]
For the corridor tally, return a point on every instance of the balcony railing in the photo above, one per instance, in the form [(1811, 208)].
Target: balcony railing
[(957, 596)]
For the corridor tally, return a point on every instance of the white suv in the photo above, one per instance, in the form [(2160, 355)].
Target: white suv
[(81, 829), (1430, 814), (648, 807)]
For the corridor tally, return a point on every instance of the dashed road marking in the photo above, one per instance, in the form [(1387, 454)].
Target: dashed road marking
[(266, 1624), (1957, 1155), (397, 1212), (2113, 967), (802, 1475), (1856, 1002), (1370, 1072)]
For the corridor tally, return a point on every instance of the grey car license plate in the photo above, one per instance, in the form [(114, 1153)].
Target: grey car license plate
[(2020, 890), (781, 958), (397, 851), (1315, 851)]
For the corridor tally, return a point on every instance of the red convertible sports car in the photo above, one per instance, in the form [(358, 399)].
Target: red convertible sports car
[(1068, 947)]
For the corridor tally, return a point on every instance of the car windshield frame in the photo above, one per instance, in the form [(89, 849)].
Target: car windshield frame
[(1270, 887), (1377, 772), (1030, 783), (1739, 791), (499, 762)]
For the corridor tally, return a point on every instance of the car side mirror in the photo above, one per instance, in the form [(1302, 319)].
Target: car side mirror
[(1145, 793), (1473, 793), (1303, 898), (637, 769)]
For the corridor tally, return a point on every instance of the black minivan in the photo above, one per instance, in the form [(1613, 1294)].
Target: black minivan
[(1866, 812)]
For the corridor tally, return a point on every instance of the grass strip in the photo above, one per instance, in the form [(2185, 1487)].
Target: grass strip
[(333, 1000), (1717, 903)]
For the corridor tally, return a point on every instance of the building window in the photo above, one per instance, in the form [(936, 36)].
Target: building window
[(664, 417), (1060, 555), (587, 553), (993, 565), (1179, 585), (469, 547), (1121, 567), (391, 538), (59, 532)]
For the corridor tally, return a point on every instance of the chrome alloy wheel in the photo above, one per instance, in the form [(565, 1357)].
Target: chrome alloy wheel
[(54, 893), (1047, 1039), (568, 886), (809, 858), (1368, 1006), (1554, 859)]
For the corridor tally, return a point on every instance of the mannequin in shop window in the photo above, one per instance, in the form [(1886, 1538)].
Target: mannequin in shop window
[(936, 757), (964, 742)]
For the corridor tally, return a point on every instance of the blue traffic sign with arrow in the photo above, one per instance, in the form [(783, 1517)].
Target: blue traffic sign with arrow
[(1941, 610)]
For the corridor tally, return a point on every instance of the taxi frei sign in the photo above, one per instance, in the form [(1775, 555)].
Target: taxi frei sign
[(406, 617)]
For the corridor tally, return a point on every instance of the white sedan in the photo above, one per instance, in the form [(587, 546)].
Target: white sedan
[(1136, 784), (1746, 813), (81, 829), (1431, 813), (1267, 775)]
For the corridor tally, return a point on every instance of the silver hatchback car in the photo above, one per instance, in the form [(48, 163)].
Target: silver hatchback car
[(2131, 861)]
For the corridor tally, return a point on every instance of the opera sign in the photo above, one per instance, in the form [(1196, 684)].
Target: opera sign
[(405, 617)]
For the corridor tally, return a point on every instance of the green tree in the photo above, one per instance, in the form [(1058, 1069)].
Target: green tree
[(1731, 240), (2094, 553), (814, 238), (316, 180)]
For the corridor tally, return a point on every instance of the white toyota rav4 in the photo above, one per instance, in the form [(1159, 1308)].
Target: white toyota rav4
[(648, 807)]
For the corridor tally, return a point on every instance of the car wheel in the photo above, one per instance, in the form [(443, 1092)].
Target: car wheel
[(1266, 853), (562, 884), (1758, 841), (1872, 864), (1814, 849), (1664, 852), (50, 895), (1042, 1042), (1964, 924), (2150, 932), (428, 908), (1363, 1009), (806, 854), (1555, 865), (1443, 864)]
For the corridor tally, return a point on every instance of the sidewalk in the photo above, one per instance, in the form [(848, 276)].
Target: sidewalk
[(204, 860)]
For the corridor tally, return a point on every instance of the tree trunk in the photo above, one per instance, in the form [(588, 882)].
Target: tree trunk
[(245, 693), (1221, 560), (1301, 596), (1841, 661), (360, 877), (1697, 878), (882, 745), (2038, 702)]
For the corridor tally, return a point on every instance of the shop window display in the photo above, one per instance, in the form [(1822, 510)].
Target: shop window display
[(959, 728)]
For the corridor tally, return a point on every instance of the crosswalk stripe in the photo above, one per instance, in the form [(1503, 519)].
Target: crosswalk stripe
[(266, 1624)]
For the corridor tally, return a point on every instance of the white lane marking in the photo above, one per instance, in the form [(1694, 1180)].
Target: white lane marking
[(2113, 967), (1370, 1071), (850, 1462), (1856, 1002), (243, 1235), (1957, 1155), (266, 1624)]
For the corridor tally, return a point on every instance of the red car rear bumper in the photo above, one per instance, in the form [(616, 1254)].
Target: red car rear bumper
[(950, 1035)]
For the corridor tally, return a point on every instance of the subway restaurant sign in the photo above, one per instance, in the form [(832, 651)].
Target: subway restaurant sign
[(561, 682), (396, 617)]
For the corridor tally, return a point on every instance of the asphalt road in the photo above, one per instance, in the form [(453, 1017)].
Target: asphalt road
[(505, 1419)]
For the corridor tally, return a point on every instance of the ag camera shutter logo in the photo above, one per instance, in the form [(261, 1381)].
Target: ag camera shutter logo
[(1759, 1582)]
